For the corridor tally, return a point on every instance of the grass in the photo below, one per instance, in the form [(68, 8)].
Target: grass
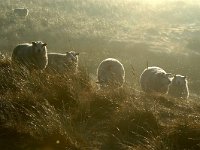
[(61, 111)]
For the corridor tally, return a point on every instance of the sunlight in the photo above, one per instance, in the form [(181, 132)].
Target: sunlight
[(99, 74), (154, 2)]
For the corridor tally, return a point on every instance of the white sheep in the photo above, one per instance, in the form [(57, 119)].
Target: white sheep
[(31, 55), (63, 62), (110, 73), (179, 87), (155, 80), (22, 12)]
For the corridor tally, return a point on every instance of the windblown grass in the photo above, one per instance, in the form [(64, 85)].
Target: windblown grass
[(63, 111)]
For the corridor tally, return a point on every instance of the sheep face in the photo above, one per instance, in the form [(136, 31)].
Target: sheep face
[(179, 87), (39, 48), (179, 80), (72, 57), (39, 55)]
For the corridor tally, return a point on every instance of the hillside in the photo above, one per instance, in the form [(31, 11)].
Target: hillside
[(61, 111)]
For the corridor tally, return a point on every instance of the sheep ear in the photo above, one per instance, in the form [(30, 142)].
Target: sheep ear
[(34, 43), (45, 44)]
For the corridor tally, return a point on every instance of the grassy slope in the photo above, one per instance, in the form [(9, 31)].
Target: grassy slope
[(63, 111), (57, 112)]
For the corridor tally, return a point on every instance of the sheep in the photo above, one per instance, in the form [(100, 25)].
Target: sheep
[(154, 80), (32, 56), (63, 62), (22, 12), (110, 73), (179, 87)]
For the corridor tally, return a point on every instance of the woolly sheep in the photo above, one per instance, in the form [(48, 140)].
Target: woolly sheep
[(155, 80), (179, 87), (22, 12), (63, 62), (31, 55), (110, 73)]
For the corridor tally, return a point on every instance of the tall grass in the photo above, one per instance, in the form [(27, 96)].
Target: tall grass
[(62, 111)]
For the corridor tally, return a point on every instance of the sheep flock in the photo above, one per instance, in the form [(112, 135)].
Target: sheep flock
[(153, 80), (110, 72)]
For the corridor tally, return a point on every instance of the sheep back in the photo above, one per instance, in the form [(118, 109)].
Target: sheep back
[(22, 12), (154, 79), (111, 72)]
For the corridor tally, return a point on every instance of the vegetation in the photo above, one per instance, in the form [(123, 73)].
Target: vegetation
[(64, 111)]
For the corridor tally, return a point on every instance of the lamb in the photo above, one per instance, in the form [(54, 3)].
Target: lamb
[(63, 62), (179, 87), (22, 12), (110, 73), (32, 56), (154, 80)]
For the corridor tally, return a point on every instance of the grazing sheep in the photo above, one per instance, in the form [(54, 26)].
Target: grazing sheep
[(179, 87), (63, 62), (110, 73), (155, 80), (22, 12), (32, 56)]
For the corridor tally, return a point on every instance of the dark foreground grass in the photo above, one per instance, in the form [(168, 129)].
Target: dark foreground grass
[(47, 111)]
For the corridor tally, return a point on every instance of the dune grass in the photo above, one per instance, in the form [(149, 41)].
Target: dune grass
[(62, 111), (45, 111)]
